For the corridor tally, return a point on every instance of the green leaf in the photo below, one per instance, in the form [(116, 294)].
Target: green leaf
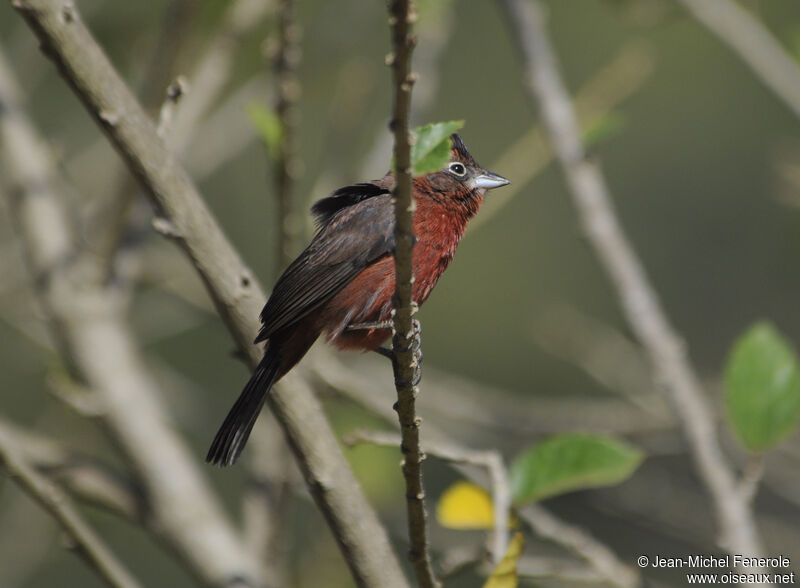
[(431, 150), (605, 127), (571, 462), (762, 388), (267, 124)]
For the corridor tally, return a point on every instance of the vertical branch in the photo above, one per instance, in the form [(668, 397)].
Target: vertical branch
[(54, 501), (286, 61), (738, 534), (405, 331)]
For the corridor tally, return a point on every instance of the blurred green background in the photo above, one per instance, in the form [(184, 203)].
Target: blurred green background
[(700, 168)]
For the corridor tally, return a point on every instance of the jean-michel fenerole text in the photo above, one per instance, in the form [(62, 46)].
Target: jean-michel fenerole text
[(722, 561)]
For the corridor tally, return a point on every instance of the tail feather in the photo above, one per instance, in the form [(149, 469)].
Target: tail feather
[(235, 430)]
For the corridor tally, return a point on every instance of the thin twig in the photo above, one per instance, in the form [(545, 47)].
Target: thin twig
[(81, 476), (738, 533), (492, 461), (401, 17), (362, 389), (432, 36), (602, 559), (231, 285), (287, 165), (754, 45), (53, 500)]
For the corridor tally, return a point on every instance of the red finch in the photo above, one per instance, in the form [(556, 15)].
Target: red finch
[(342, 284)]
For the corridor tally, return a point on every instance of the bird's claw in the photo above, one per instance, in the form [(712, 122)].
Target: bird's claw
[(415, 346)]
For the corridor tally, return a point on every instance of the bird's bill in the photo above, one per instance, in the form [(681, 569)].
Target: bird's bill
[(488, 180)]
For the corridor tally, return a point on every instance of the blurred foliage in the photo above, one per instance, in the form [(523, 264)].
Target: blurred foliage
[(267, 125)]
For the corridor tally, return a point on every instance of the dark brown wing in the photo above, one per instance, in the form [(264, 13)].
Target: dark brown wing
[(355, 235), (327, 208)]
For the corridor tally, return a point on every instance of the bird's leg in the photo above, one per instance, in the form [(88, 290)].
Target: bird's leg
[(388, 353), (369, 326), (415, 345)]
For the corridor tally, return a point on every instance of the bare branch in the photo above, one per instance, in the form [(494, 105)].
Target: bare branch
[(753, 44), (52, 499), (287, 165), (602, 559), (406, 367), (79, 475), (491, 460), (231, 285), (639, 301)]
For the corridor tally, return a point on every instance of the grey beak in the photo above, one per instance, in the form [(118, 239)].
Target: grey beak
[(488, 180)]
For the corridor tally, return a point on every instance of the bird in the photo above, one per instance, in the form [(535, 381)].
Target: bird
[(341, 285)]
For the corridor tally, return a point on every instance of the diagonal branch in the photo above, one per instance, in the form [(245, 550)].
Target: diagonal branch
[(53, 500), (230, 284), (738, 533), (754, 45), (406, 366)]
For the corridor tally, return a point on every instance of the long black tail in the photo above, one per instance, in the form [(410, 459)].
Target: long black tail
[(232, 435)]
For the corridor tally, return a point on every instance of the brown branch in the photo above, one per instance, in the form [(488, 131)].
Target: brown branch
[(738, 533), (53, 500), (231, 285), (491, 460), (406, 367), (285, 63)]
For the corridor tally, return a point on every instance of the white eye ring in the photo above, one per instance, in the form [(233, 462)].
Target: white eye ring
[(457, 168)]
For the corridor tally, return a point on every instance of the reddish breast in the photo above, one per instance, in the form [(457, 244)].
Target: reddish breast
[(368, 298)]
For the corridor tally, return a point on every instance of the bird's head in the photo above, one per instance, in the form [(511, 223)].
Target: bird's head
[(464, 168), (463, 176)]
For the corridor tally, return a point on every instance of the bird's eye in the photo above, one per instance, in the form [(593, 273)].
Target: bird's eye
[(457, 168)]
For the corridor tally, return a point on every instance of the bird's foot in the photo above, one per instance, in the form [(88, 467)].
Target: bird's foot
[(415, 346)]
